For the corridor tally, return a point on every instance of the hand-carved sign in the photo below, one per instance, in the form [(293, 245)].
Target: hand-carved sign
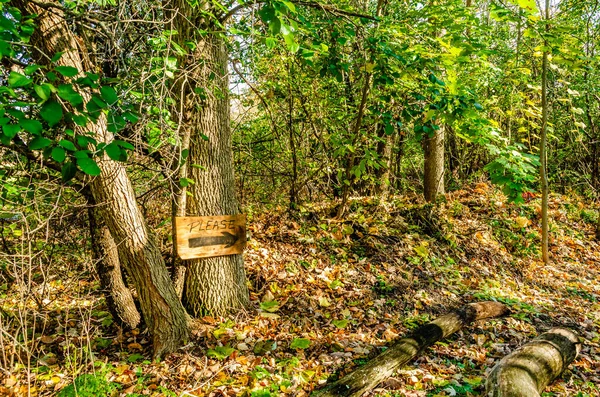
[(206, 236)]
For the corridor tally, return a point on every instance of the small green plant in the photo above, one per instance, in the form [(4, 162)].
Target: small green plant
[(381, 287), (589, 216), (220, 352), (88, 385)]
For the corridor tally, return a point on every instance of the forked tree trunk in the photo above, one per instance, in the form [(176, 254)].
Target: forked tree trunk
[(114, 195), (163, 312), (433, 179), (528, 370), (384, 365), (118, 296), (212, 285)]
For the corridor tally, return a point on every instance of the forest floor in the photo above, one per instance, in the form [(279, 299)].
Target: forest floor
[(327, 295)]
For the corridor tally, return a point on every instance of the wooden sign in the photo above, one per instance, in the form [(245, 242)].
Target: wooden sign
[(207, 236)]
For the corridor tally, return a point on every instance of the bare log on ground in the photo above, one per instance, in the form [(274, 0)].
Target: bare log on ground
[(384, 365), (528, 370)]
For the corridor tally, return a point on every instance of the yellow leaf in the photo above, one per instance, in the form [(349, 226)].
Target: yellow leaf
[(422, 250), (324, 302), (522, 222)]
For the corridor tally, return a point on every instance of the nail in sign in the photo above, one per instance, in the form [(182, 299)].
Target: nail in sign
[(207, 236)]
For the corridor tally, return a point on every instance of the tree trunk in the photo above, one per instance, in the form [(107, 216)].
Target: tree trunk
[(544, 144), (433, 179), (384, 365), (119, 298), (112, 191), (163, 313), (528, 370), (294, 179), (384, 152), (212, 285)]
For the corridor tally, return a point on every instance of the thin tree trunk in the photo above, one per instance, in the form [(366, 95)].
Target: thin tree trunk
[(384, 365), (212, 285), (351, 158), (178, 206), (112, 191), (384, 152), (528, 370), (119, 298), (543, 143), (294, 180), (433, 179)]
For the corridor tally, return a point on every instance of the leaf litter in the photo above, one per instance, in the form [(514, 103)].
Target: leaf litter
[(328, 294)]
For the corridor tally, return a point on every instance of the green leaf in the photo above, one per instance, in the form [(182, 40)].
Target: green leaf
[(185, 182), (67, 145), (51, 112), (109, 94), (79, 119), (300, 343), (115, 152), (88, 166), (16, 80), (270, 42), (269, 306), (135, 358), (66, 92), (11, 130), (31, 69), (58, 154), (131, 117), (39, 142), (98, 101), (84, 141), (123, 144), (290, 6), (31, 126), (340, 323), (43, 91), (335, 284), (116, 122), (67, 71), (275, 25), (220, 352), (292, 45), (56, 57)]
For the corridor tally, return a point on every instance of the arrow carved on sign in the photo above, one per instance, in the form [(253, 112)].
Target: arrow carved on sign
[(227, 239)]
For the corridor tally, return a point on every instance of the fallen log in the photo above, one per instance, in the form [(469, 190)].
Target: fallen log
[(385, 364), (528, 370)]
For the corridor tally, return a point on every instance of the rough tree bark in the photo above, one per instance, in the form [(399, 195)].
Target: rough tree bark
[(112, 191), (433, 178), (528, 370), (384, 365), (119, 298), (212, 285)]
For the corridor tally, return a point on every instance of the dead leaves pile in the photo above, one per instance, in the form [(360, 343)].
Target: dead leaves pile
[(328, 294)]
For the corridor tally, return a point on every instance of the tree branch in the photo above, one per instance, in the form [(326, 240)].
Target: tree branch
[(310, 4)]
